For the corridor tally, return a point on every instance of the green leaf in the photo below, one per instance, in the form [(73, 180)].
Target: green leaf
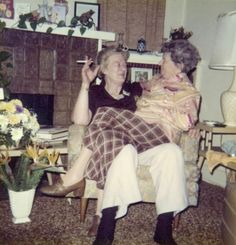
[(42, 20), (90, 24), (4, 55), (61, 23), (33, 25), (22, 25), (70, 32), (9, 65), (23, 17), (5, 82), (2, 25), (82, 30), (7, 93), (49, 30), (74, 21)]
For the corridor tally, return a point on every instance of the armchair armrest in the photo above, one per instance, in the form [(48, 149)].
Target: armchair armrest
[(190, 147), (75, 142)]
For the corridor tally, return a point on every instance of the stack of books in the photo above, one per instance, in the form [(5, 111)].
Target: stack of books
[(52, 134)]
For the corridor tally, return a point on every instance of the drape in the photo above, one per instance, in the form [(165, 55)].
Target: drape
[(136, 19)]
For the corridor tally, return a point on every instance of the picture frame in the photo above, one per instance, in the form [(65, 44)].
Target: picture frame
[(59, 13), (141, 74), (82, 7), (7, 9)]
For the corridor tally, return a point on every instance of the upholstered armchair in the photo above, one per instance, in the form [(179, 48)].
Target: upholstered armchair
[(188, 145)]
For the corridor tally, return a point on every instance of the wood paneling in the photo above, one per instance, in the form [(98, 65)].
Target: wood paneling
[(136, 19), (46, 64)]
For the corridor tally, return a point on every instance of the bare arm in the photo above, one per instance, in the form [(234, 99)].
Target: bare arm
[(81, 113)]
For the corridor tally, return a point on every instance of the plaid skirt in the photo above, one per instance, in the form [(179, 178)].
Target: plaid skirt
[(112, 129)]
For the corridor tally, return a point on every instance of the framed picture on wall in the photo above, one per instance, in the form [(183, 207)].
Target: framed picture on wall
[(84, 7), (58, 13), (141, 74), (7, 9)]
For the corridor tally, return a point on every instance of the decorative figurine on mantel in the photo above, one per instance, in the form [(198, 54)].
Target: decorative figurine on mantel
[(180, 33), (141, 46), (121, 43)]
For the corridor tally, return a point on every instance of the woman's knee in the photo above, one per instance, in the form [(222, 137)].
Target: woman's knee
[(170, 154)]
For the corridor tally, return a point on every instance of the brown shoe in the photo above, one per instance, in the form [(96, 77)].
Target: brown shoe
[(92, 231), (59, 190)]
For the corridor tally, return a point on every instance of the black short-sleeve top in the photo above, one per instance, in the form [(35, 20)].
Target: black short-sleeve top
[(99, 97)]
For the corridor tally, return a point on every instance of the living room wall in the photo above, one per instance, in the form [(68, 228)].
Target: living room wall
[(201, 18)]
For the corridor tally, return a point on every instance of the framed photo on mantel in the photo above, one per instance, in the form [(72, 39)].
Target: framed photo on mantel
[(85, 7), (141, 74)]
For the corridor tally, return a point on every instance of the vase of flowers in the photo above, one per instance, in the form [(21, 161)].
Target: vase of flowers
[(22, 179), (18, 125)]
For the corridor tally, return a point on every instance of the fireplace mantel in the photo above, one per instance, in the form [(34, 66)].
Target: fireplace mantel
[(99, 35)]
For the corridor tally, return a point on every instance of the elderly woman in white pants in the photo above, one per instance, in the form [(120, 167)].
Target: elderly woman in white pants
[(167, 171), (121, 189)]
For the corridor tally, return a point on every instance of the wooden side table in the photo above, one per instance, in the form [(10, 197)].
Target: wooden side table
[(228, 226), (206, 141)]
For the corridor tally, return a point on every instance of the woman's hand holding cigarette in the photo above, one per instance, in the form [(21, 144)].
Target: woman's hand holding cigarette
[(88, 75)]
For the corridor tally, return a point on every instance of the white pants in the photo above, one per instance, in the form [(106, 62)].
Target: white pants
[(167, 171)]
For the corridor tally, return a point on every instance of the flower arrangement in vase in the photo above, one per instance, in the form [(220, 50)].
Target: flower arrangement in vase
[(22, 179), (18, 125), (29, 168)]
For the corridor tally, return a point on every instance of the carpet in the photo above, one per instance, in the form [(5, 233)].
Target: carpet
[(55, 222)]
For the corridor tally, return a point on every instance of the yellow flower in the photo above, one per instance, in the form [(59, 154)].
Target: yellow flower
[(4, 159), (10, 108), (32, 152), (14, 119), (16, 102), (52, 157)]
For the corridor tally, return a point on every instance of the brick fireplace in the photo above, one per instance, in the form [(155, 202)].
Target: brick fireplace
[(46, 64)]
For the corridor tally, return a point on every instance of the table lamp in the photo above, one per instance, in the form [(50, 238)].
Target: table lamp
[(224, 58)]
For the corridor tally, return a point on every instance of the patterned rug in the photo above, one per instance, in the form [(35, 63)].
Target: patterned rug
[(55, 222)]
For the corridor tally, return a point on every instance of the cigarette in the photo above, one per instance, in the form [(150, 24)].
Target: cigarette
[(81, 61)]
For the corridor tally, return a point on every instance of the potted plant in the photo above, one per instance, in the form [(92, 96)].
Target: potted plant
[(18, 125), (22, 179)]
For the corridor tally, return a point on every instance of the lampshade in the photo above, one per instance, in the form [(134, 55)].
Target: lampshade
[(224, 58), (224, 51)]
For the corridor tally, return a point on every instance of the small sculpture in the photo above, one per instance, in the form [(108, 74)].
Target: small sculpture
[(179, 33), (141, 46), (86, 18)]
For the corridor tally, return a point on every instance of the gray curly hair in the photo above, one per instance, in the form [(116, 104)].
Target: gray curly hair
[(105, 53), (182, 52)]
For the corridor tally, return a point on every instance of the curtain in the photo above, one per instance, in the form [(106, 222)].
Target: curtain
[(136, 19)]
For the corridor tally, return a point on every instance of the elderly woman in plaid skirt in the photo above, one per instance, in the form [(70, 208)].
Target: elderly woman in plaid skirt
[(118, 139)]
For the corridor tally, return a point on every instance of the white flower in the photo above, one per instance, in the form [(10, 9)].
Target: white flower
[(4, 123), (16, 134), (17, 123)]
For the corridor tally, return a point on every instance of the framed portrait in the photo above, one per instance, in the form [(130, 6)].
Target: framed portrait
[(83, 7), (58, 13), (141, 74), (7, 9)]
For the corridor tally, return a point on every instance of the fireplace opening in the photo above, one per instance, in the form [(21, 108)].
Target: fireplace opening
[(41, 104)]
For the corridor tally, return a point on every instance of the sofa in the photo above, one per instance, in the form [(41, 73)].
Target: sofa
[(188, 145)]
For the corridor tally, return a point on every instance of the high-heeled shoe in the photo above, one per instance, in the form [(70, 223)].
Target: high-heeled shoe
[(59, 190)]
